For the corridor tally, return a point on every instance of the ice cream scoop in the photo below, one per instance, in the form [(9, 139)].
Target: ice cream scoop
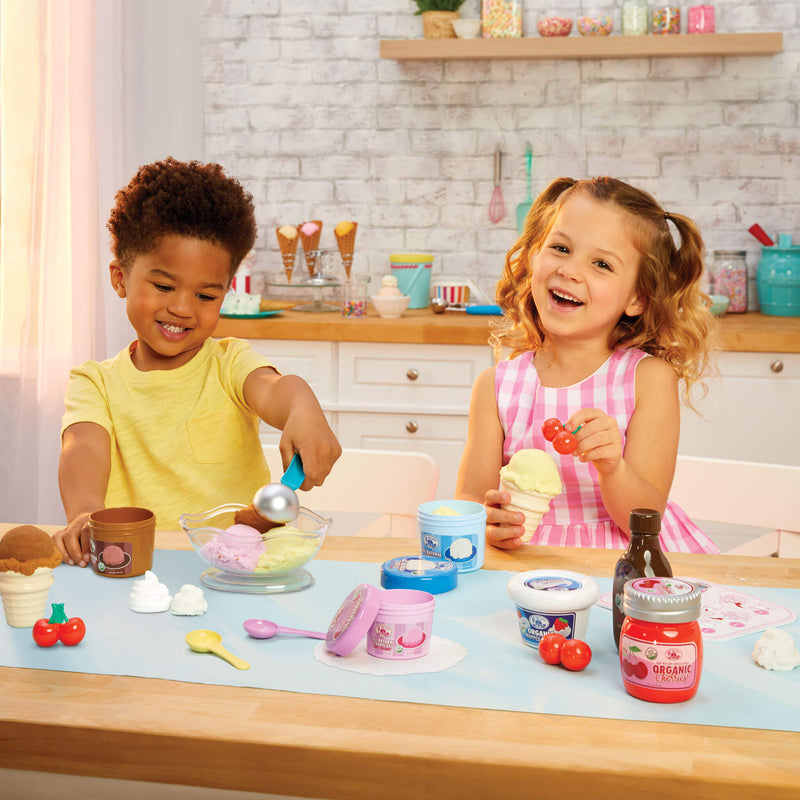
[(278, 502), (266, 629), (205, 641)]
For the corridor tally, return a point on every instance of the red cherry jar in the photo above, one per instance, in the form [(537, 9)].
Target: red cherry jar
[(660, 644)]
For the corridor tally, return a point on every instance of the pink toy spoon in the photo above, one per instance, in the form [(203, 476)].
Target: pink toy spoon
[(264, 629)]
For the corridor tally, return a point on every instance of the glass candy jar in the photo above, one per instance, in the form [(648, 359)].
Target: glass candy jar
[(635, 17), (730, 278), (501, 19)]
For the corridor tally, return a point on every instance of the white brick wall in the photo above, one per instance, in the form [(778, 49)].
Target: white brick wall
[(301, 108)]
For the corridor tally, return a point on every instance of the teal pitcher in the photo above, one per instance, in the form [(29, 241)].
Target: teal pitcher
[(778, 278)]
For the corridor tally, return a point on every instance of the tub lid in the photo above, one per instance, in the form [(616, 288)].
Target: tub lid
[(553, 590), (413, 572), (352, 621)]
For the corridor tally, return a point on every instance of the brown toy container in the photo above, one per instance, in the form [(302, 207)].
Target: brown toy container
[(121, 541)]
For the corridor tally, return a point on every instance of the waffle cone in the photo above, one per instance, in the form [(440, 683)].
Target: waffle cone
[(347, 244), (532, 504), (25, 596), (288, 252), (310, 244)]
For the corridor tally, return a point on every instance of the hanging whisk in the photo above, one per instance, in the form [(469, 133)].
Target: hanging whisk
[(497, 209)]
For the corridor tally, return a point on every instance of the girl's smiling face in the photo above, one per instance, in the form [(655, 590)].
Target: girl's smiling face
[(584, 277), (173, 294)]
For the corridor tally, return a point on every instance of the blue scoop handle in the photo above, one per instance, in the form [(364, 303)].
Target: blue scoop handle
[(294, 475)]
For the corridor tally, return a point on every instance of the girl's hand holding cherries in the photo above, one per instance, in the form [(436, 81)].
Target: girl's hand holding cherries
[(594, 437)]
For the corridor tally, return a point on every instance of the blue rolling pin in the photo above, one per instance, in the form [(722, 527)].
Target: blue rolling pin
[(494, 311)]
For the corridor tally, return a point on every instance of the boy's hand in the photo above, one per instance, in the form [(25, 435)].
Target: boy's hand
[(73, 541), (310, 435), (503, 528)]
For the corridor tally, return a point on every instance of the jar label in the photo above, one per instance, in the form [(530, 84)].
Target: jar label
[(656, 665), (534, 626), (662, 587), (553, 583), (111, 558)]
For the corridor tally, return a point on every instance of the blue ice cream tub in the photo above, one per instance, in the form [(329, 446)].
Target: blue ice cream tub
[(458, 537)]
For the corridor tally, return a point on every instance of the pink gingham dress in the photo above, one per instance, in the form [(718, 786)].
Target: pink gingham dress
[(577, 516)]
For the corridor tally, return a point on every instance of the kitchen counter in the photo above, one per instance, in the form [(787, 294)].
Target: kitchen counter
[(341, 747), (751, 332)]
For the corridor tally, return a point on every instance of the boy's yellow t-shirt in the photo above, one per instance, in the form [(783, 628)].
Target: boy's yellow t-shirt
[(182, 440)]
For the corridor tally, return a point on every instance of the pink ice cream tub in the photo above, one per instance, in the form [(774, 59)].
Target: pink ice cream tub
[(398, 623)]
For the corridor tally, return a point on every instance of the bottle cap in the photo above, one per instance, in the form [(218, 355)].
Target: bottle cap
[(661, 600), (645, 520)]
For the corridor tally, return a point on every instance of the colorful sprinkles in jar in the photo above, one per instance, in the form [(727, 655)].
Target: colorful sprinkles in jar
[(667, 20), (502, 19), (600, 25)]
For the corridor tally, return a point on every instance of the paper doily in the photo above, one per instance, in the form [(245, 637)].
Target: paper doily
[(443, 654)]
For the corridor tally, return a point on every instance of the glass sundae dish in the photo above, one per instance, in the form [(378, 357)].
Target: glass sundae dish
[(241, 559)]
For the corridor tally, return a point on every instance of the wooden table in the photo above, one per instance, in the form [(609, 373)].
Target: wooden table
[(338, 747)]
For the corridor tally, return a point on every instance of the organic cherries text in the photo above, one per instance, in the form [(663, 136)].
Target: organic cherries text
[(563, 441)]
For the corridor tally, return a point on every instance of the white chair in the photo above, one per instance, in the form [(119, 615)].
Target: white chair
[(388, 484), (743, 493)]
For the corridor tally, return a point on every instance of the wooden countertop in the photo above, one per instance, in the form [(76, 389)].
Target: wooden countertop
[(339, 747), (751, 332)]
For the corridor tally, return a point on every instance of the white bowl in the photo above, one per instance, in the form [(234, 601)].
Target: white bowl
[(467, 28), (390, 307)]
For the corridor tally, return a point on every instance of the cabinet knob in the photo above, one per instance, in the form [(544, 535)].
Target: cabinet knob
[(412, 374), (412, 426), (777, 365)]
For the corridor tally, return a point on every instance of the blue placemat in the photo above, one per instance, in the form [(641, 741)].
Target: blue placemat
[(499, 672)]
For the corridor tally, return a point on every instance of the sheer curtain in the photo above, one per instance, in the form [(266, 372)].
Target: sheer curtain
[(59, 97)]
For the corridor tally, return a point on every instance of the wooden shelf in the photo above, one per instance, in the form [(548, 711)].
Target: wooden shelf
[(682, 45)]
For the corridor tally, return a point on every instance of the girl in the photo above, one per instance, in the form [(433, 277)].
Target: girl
[(603, 317)]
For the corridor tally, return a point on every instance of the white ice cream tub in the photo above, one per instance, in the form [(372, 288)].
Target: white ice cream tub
[(552, 601)]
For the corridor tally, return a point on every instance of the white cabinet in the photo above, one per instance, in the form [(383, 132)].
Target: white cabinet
[(750, 412), (389, 396)]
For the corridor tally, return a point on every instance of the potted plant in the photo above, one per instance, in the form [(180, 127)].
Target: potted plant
[(437, 17)]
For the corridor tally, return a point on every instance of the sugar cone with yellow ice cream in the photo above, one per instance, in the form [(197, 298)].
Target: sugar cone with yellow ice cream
[(531, 479), (310, 233), (27, 559), (287, 241), (345, 233)]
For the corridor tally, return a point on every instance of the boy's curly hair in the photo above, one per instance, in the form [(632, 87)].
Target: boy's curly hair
[(675, 325), (184, 199)]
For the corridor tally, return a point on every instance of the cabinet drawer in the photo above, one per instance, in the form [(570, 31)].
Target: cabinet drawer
[(312, 361), (442, 437), (410, 376), (748, 414)]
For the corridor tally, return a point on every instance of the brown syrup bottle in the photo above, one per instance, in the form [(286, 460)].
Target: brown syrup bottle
[(642, 559)]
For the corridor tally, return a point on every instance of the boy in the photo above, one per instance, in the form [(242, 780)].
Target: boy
[(171, 423)]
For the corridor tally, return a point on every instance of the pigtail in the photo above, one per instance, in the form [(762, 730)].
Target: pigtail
[(686, 330)]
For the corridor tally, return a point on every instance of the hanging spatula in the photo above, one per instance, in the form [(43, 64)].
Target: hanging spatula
[(525, 205)]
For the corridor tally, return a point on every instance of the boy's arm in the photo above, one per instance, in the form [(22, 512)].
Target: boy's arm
[(83, 471), (287, 403)]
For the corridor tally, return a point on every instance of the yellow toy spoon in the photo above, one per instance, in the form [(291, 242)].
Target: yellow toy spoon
[(203, 641)]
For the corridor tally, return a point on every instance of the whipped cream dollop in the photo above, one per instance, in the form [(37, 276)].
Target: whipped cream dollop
[(776, 650), (148, 595), (189, 601)]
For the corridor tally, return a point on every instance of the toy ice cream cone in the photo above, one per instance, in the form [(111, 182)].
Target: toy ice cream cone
[(25, 596), (534, 505), (310, 233), (345, 233), (287, 241)]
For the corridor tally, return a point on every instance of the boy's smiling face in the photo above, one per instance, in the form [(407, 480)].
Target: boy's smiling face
[(173, 294)]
